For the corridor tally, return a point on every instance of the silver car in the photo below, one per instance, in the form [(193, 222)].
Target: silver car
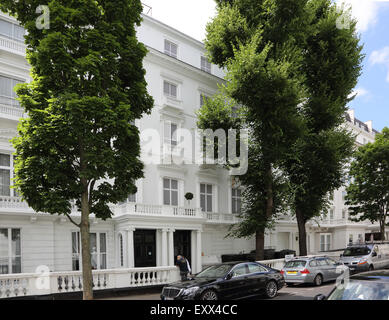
[(315, 270)]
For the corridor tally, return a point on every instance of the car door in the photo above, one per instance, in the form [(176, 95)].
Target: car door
[(324, 268), (257, 278), (332, 266), (236, 284)]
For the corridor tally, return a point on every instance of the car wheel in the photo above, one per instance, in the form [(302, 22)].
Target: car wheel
[(209, 295), (371, 267), (271, 289), (318, 281)]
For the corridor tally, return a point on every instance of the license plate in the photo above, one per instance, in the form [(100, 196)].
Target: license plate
[(291, 272), (166, 298)]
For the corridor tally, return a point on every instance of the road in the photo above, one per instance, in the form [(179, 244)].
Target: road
[(298, 292)]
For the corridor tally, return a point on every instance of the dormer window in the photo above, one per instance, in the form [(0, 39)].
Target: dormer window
[(171, 49), (205, 65)]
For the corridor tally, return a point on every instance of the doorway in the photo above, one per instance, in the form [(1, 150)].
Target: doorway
[(182, 244), (145, 248)]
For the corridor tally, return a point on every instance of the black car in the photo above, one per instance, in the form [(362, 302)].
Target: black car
[(372, 285), (232, 280)]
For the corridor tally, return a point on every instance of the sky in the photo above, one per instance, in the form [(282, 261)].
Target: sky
[(372, 100)]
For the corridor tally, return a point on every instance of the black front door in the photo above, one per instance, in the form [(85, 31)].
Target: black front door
[(182, 244), (145, 248)]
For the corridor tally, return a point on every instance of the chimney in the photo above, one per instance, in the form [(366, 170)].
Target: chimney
[(369, 125)]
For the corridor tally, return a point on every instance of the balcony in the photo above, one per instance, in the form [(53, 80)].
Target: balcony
[(12, 46), (37, 284)]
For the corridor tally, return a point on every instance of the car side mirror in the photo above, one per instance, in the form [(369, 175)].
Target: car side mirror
[(374, 254), (320, 297), (229, 276)]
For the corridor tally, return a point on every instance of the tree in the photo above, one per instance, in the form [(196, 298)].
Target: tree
[(368, 192), (256, 42), (332, 65), (79, 143)]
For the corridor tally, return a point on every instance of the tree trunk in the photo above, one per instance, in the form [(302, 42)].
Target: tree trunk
[(87, 278), (382, 229), (259, 246), (302, 233)]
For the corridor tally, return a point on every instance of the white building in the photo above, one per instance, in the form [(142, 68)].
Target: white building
[(157, 223)]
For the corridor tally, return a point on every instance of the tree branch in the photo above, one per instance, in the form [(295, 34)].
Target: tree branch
[(71, 220)]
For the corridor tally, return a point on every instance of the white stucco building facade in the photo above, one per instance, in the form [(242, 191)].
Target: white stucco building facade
[(157, 222)]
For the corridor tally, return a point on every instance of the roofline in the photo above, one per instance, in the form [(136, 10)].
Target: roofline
[(170, 28)]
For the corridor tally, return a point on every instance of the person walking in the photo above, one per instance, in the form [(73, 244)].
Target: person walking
[(183, 264)]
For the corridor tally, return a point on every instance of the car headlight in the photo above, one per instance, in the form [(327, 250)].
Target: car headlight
[(190, 291)]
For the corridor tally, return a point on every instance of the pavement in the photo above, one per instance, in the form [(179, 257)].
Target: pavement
[(297, 292)]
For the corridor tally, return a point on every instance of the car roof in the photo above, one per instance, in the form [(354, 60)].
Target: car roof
[(376, 275)]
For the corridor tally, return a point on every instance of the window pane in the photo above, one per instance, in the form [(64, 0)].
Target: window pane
[(5, 160), (6, 28), (166, 183), (209, 203), (174, 198), (15, 242), (209, 189), (166, 197), (202, 188), (16, 265), (4, 243), (173, 90), (93, 248), (103, 261), (103, 243), (166, 88), (174, 184), (202, 202), (5, 180), (4, 265)]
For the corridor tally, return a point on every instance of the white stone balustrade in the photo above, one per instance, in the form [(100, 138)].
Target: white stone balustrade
[(35, 284), (16, 47)]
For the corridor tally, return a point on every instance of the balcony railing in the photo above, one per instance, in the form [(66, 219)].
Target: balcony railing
[(36, 284), (12, 46)]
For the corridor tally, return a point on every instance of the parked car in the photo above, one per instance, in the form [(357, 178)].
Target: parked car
[(232, 280), (366, 257), (315, 270), (371, 285)]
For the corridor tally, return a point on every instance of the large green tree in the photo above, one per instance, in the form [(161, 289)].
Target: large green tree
[(332, 65), (256, 41), (368, 192), (79, 143)]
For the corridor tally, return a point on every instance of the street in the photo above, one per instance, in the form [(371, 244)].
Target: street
[(298, 292)]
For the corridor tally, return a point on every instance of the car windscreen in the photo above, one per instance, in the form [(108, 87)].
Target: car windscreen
[(361, 290), (296, 264), (217, 271), (356, 251)]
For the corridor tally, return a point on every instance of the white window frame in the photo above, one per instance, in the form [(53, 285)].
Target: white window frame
[(10, 256), (205, 65), (169, 93), (327, 244), (169, 51), (206, 194), (99, 254), (10, 168), (10, 97), (170, 190), (234, 201)]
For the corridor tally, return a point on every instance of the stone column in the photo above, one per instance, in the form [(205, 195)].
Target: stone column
[(199, 251), (171, 247), (164, 248), (130, 248)]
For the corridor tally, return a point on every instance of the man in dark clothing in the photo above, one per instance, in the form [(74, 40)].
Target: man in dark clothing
[(183, 264)]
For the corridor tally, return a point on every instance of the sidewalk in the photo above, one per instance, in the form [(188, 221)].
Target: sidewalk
[(144, 296)]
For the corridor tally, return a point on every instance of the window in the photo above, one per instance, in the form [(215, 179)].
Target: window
[(7, 92), (98, 248), (350, 238), (170, 133), (11, 30), (254, 268), (331, 214), (206, 197), (325, 242), (10, 251), (313, 263), (344, 214), (171, 48), (170, 192), (170, 89), (344, 194), (239, 271), (130, 198), (236, 200), (6, 175), (205, 65)]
